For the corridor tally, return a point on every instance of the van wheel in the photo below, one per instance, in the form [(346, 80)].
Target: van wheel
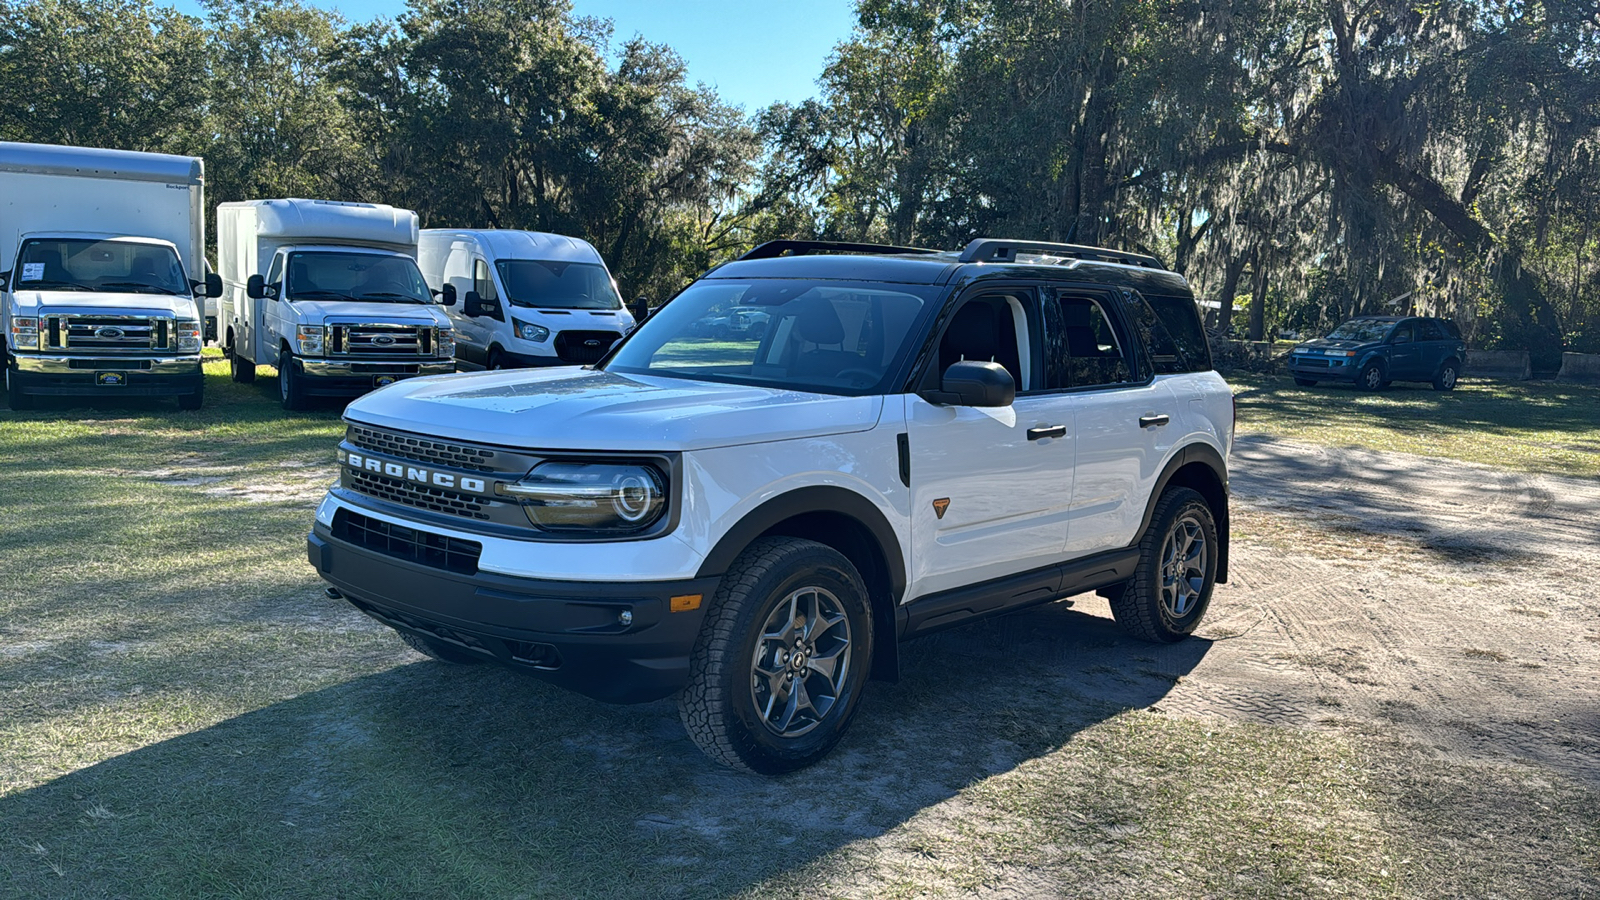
[(14, 395), (439, 650), (241, 369), (291, 389), (496, 359), (194, 399), (781, 660), (1171, 586), (1448, 375)]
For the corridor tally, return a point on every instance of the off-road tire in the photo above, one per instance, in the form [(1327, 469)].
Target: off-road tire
[(240, 369), (1138, 606), (439, 650), (1305, 382), (1371, 377), (718, 704), (291, 389), (1449, 375)]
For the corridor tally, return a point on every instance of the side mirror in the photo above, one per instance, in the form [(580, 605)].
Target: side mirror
[(973, 383), (5, 279), (473, 305), (213, 284), (256, 287), (448, 294)]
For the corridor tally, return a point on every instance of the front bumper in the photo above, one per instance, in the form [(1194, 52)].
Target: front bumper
[(1323, 368), (340, 377), (532, 360), (569, 633), (129, 377)]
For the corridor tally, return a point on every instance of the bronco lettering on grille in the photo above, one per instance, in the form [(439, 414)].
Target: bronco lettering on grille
[(412, 473)]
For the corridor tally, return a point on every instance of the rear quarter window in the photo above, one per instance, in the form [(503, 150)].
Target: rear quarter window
[(1171, 328)]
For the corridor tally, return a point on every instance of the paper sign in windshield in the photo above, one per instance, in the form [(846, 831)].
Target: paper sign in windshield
[(33, 271)]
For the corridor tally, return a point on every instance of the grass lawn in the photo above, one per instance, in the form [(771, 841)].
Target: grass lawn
[(1534, 426), (184, 714)]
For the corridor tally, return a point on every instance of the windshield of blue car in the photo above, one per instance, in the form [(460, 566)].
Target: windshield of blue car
[(835, 337), (1363, 330), (372, 277), (557, 285), (86, 264)]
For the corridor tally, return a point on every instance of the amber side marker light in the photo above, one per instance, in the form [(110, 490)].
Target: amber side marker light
[(685, 602)]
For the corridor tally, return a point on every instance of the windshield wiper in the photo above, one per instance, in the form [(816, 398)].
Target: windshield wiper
[(377, 294), (51, 286), (138, 287)]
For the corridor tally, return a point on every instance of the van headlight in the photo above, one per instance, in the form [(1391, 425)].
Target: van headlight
[(613, 498), (309, 338), (447, 342), (188, 336), (25, 332), (529, 331)]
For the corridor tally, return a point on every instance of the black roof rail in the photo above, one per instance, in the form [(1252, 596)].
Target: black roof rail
[(997, 250), (774, 249)]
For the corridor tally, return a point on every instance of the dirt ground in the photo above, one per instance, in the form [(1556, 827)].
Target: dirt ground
[(1446, 603)]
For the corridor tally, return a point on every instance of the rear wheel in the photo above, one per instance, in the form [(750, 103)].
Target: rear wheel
[(1371, 377), (1305, 382), (781, 660), (291, 386), (1449, 374), (439, 650), (1171, 587)]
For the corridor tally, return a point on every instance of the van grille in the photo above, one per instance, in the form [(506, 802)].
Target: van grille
[(584, 346), (109, 334), (410, 544), (406, 446), (393, 341)]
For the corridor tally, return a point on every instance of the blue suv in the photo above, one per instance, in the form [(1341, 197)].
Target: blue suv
[(1372, 351)]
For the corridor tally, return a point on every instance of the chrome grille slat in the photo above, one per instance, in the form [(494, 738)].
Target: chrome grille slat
[(391, 341), (109, 334)]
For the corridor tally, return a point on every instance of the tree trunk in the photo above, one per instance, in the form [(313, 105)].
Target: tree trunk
[(1258, 301)]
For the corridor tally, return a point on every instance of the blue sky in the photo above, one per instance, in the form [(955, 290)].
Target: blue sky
[(754, 52)]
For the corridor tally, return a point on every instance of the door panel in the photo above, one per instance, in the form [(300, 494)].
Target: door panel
[(1405, 354), (1117, 462)]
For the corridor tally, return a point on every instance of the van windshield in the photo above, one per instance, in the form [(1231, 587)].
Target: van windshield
[(86, 264), (374, 277), (557, 285), (830, 337)]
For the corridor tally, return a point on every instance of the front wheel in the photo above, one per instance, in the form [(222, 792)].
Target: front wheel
[(1371, 377), (14, 395), (291, 387), (1448, 375), (195, 398), (1171, 587), (240, 369), (781, 660)]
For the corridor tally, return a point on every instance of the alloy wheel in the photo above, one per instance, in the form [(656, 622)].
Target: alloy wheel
[(1184, 557), (802, 661)]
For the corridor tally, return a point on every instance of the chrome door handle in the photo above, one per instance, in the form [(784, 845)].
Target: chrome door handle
[(1047, 431), (1153, 421)]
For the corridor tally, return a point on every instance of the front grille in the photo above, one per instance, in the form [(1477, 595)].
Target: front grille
[(395, 341), (420, 496), (1311, 361), (410, 544), (108, 334), (405, 446), (584, 346)]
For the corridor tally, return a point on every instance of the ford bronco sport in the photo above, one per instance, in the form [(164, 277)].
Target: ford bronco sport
[(915, 440)]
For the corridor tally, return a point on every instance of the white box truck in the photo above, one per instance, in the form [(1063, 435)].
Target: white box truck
[(529, 298), (328, 292), (100, 247)]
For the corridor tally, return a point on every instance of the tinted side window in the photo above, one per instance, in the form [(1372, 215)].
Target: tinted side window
[(1180, 319), (1403, 334), (1431, 330), (276, 272), (1085, 346), (482, 283)]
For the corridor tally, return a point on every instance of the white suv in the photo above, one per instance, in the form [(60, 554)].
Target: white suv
[(914, 440)]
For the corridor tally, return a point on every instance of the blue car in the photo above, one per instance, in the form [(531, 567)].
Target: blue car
[(1372, 351)]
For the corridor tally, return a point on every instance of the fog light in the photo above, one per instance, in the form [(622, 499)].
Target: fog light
[(625, 618)]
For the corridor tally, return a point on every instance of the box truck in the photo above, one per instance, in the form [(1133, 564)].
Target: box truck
[(528, 298), (102, 248), (330, 294)]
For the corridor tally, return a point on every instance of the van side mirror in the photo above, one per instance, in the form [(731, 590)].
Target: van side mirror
[(974, 383), (256, 287), (5, 279), (213, 284), (448, 294), (476, 306)]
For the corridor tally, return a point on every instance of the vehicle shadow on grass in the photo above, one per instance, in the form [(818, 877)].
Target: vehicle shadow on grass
[(429, 780)]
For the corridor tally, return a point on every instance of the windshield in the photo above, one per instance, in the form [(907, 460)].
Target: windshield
[(1363, 330), (330, 275), (825, 336), (557, 285), (85, 264)]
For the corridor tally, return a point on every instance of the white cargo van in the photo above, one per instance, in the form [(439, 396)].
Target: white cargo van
[(528, 298), (99, 248), (329, 293)]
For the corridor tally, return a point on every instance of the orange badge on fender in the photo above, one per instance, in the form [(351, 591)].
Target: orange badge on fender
[(940, 505)]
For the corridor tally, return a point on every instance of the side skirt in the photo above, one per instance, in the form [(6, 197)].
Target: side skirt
[(959, 606)]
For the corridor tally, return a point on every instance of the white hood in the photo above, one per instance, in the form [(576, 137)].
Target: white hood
[(583, 409), (314, 312), (46, 303)]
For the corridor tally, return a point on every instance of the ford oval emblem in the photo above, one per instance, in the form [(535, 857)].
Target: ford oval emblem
[(383, 340), (591, 343), (109, 332)]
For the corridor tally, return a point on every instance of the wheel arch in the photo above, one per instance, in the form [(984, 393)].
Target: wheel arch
[(849, 523), (1201, 468)]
